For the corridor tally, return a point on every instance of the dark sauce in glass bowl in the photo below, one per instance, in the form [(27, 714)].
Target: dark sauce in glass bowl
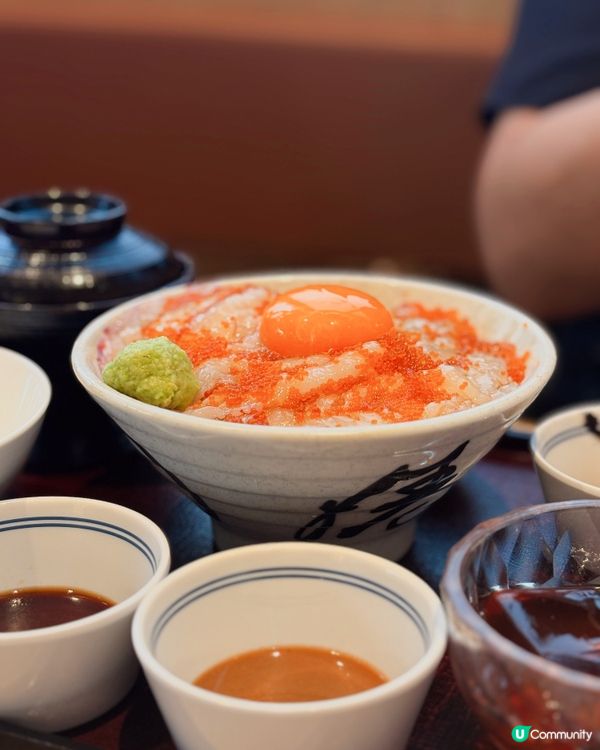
[(560, 624), (31, 608)]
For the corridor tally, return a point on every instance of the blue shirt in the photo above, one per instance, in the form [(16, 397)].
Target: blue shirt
[(554, 54)]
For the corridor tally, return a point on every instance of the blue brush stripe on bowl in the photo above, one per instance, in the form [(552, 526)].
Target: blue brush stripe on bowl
[(87, 524), (267, 574)]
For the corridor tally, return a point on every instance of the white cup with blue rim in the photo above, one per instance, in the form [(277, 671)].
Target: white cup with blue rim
[(54, 678), (290, 593), (566, 452)]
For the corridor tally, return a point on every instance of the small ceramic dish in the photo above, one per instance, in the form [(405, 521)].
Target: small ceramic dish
[(24, 397), (361, 486), (566, 451), (54, 678), (281, 594), (511, 689)]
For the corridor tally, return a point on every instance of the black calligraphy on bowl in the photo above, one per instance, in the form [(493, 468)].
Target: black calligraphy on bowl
[(418, 487)]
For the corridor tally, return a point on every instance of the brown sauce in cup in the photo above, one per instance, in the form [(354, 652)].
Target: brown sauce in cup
[(31, 608), (286, 674), (560, 624)]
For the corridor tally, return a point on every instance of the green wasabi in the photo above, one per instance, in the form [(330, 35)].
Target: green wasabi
[(155, 371)]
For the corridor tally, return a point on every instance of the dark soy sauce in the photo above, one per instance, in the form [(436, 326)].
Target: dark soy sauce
[(31, 608), (560, 624)]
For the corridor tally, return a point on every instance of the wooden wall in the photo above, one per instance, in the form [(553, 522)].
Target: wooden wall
[(256, 141)]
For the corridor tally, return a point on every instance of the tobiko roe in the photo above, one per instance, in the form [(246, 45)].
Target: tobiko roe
[(320, 355)]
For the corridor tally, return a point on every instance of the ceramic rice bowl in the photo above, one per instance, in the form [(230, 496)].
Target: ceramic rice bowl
[(361, 486)]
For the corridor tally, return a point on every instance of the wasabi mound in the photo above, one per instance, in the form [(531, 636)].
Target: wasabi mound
[(155, 371)]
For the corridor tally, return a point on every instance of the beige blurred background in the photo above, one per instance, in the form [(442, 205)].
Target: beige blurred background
[(263, 133)]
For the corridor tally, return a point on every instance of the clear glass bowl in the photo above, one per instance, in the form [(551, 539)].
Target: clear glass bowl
[(551, 545)]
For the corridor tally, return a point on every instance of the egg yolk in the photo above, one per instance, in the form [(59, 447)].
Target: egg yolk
[(322, 317)]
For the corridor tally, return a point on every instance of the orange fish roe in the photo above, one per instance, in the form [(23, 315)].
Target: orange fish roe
[(515, 366), (397, 378), (174, 303), (466, 340), (198, 345), (375, 387)]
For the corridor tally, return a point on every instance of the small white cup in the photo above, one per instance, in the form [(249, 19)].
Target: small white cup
[(566, 451), (290, 593), (57, 677), (24, 397)]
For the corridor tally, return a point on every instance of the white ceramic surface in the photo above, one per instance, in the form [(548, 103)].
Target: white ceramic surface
[(360, 486), (290, 594), (58, 677), (24, 397), (566, 451)]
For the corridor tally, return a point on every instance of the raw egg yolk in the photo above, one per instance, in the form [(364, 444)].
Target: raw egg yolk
[(322, 317)]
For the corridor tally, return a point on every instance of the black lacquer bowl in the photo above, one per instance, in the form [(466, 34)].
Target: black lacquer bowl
[(66, 257)]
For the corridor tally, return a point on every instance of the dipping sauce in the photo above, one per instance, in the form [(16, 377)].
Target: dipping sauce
[(287, 674), (560, 624), (31, 608)]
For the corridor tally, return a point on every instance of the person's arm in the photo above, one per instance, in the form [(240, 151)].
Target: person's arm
[(538, 207)]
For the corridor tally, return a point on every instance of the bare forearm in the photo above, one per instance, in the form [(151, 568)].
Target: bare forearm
[(538, 207)]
